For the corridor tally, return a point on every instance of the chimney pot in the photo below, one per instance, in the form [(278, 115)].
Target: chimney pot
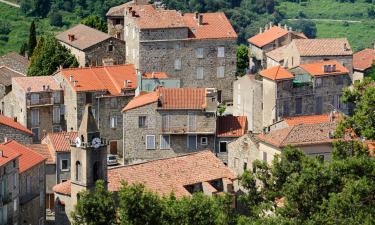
[(1, 153), (44, 87), (200, 20), (260, 30)]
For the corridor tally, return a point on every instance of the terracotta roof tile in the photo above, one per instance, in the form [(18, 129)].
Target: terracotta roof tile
[(276, 73), (172, 174), (28, 158), (84, 36), (44, 150), (107, 78), (118, 11), (8, 154), (15, 61), (60, 141), (63, 188), (317, 68), (6, 75), (11, 123), (268, 36), (311, 119), (231, 126), (323, 47), (142, 100), (157, 75), (277, 54), (36, 83), (364, 59)]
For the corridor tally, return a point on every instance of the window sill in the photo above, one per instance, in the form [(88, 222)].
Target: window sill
[(65, 170)]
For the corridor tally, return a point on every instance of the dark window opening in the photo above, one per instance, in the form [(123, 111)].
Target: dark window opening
[(78, 171), (88, 98), (223, 146), (96, 171)]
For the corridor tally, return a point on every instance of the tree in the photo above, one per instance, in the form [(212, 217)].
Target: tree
[(242, 60), (38, 8), (23, 49), (95, 207), (95, 22), (305, 26), (56, 19), (371, 73), (48, 56), (32, 39)]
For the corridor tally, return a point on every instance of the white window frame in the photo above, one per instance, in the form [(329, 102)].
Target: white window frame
[(200, 72), (61, 164), (150, 147), (221, 52), (196, 142), (199, 52), (169, 141), (15, 204), (145, 122), (226, 143), (204, 142), (177, 64), (113, 121), (220, 71)]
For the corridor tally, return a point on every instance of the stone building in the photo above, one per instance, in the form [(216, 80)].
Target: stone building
[(272, 38), (168, 123), (108, 89), (198, 49), (15, 62), (36, 103), (150, 81), (228, 129), (92, 47), (308, 89), (362, 63), (31, 178), (6, 75), (11, 130)]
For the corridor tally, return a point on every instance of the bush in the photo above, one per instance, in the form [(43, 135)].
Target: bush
[(56, 19), (5, 28), (4, 38)]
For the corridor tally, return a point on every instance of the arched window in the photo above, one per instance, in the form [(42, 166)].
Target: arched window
[(96, 171), (78, 171)]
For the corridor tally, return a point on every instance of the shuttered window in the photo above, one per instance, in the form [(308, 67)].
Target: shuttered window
[(35, 117), (191, 122), (177, 64), (220, 71), (165, 142), (220, 52), (150, 142), (199, 53), (200, 73)]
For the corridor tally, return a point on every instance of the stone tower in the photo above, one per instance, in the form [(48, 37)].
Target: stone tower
[(88, 157)]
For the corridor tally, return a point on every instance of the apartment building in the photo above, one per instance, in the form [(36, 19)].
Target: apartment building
[(197, 48)]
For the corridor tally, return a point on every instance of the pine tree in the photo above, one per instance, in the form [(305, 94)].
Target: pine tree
[(32, 39)]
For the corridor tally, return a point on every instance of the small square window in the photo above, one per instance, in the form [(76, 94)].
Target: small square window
[(150, 142), (142, 122), (199, 53), (177, 64), (64, 165), (204, 140), (220, 52), (110, 48), (113, 121)]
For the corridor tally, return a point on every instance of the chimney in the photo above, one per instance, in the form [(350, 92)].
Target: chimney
[(44, 87), (196, 15), (153, 75), (15, 119), (260, 30), (1, 154), (75, 83), (271, 24), (71, 79), (290, 29), (333, 68), (346, 48), (71, 37), (200, 19), (48, 88), (285, 27), (279, 25), (265, 27), (5, 139)]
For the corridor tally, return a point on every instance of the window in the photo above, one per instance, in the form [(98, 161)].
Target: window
[(177, 64), (191, 122), (110, 48), (319, 105), (286, 108), (336, 101), (165, 142), (192, 142), (56, 129), (339, 80), (15, 205), (15, 180), (165, 122), (142, 122), (150, 142), (298, 105), (199, 53), (220, 52), (204, 140), (177, 46), (113, 103), (34, 99), (220, 72), (35, 117), (28, 184), (264, 156), (64, 165), (78, 171), (200, 72), (56, 97), (35, 132), (223, 146), (318, 82), (56, 114), (88, 98), (113, 122), (244, 165)]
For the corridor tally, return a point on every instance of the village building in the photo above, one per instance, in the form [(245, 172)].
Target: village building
[(15, 62), (362, 63), (307, 89), (12, 130), (228, 129), (30, 186), (36, 103), (197, 48), (6, 75), (148, 82), (108, 89), (92, 47), (272, 38), (169, 122)]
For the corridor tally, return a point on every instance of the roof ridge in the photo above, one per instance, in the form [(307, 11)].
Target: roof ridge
[(112, 80)]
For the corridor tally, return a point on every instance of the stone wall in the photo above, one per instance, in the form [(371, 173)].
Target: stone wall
[(79, 54), (14, 134), (116, 26), (62, 212), (62, 174)]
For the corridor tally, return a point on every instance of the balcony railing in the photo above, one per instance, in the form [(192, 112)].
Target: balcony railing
[(186, 130), (41, 102)]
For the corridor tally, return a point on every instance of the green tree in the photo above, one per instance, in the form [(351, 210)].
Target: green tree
[(38, 8), (48, 56), (371, 73), (32, 39), (56, 19), (95, 207), (95, 22), (242, 60)]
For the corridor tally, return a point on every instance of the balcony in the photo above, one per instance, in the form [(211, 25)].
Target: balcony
[(41, 102), (186, 130)]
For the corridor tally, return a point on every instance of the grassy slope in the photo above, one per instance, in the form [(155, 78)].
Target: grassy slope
[(20, 27), (360, 35)]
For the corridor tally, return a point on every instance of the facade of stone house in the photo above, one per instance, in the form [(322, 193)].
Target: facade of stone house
[(108, 89), (36, 103), (150, 81), (92, 47), (198, 49), (11, 130), (32, 209), (303, 51), (273, 37), (362, 63), (6, 75), (169, 122), (9, 185)]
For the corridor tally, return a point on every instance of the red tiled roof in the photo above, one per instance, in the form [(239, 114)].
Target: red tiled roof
[(158, 75), (60, 141), (44, 150), (172, 98), (276, 73), (268, 36), (311, 119), (316, 68), (231, 126), (215, 25), (323, 47), (63, 188), (11, 123), (7, 154), (166, 175), (36, 83), (106, 78), (364, 59), (277, 54), (299, 135), (28, 158)]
